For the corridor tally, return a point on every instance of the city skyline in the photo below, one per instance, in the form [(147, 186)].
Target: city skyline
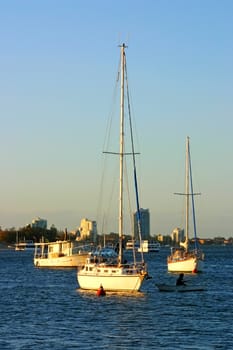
[(58, 67)]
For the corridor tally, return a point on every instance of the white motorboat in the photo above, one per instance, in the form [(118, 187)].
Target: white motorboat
[(25, 245), (60, 254), (149, 247), (145, 246)]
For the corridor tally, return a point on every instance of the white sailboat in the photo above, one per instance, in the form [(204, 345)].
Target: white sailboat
[(182, 259), (114, 274)]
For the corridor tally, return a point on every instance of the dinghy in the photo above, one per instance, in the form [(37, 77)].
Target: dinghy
[(182, 289)]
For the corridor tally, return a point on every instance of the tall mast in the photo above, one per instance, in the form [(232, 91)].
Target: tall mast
[(187, 194), (121, 152)]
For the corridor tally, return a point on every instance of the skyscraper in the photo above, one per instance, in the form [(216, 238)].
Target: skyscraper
[(145, 224), (87, 230), (177, 235)]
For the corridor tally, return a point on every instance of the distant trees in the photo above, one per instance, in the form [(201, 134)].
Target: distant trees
[(28, 232), (9, 236)]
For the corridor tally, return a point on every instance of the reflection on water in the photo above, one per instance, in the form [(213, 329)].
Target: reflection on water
[(121, 295)]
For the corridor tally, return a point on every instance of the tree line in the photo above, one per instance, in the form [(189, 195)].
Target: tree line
[(29, 233)]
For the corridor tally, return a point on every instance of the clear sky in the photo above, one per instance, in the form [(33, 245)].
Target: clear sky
[(58, 61)]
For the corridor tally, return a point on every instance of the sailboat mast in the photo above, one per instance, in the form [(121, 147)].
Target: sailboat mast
[(121, 152), (187, 193)]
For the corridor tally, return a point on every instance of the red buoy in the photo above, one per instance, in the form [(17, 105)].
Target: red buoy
[(101, 292)]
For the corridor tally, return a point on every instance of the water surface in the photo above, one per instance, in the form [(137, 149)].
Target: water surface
[(44, 308)]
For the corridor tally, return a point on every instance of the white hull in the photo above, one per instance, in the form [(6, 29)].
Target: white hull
[(149, 250), (59, 254), (63, 261), (112, 278), (145, 247), (149, 247), (186, 265), (22, 246)]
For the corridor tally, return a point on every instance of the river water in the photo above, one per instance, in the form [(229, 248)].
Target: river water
[(44, 308)]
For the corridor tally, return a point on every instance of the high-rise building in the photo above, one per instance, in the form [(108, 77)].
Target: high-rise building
[(38, 222), (87, 230), (177, 235), (145, 224)]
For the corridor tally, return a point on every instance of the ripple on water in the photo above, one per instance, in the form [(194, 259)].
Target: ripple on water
[(44, 309)]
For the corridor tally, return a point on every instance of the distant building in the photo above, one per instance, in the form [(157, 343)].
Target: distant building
[(145, 224), (160, 238), (40, 223), (177, 235), (87, 230)]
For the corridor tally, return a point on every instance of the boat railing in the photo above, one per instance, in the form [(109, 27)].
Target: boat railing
[(41, 256), (139, 267), (198, 253), (81, 249), (180, 254)]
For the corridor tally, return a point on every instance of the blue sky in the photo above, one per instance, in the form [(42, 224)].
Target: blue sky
[(58, 63)]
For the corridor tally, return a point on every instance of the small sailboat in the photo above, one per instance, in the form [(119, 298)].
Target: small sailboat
[(115, 274), (182, 259)]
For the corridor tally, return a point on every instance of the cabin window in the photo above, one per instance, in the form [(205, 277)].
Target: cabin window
[(113, 271), (106, 271)]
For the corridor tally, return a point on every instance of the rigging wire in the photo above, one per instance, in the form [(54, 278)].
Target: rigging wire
[(193, 207), (134, 164), (106, 145)]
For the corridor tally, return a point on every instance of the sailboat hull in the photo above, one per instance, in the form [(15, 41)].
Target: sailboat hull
[(111, 278), (186, 265)]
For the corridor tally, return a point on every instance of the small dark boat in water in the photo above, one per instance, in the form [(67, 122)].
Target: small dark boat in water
[(182, 288)]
